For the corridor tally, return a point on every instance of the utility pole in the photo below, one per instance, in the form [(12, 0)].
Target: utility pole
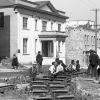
[(96, 11)]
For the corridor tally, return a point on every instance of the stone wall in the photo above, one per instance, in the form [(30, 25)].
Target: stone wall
[(78, 43)]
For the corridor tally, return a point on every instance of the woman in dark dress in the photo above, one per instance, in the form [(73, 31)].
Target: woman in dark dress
[(15, 62)]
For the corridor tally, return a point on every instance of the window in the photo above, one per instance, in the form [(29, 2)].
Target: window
[(85, 39), (35, 45), (91, 40), (25, 19), (99, 42), (36, 24), (59, 47), (59, 27), (44, 25), (94, 41), (25, 46), (1, 19), (51, 26)]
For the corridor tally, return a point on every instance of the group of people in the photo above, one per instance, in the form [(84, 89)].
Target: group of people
[(55, 69), (37, 67), (94, 61), (58, 67), (39, 60), (74, 66)]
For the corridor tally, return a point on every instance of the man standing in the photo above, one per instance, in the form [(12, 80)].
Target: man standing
[(39, 60), (93, 59), (15, 62)]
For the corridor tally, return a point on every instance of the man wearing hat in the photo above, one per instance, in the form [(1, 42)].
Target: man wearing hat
[(39, 60), (93, 59)]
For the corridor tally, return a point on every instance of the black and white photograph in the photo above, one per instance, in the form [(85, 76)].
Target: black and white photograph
[(49, 49)]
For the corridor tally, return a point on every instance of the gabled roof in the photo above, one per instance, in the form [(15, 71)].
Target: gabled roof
[(4, 3), (37, 6), (48, 3)]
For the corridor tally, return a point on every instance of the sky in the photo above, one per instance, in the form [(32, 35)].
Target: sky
[(77, 9)]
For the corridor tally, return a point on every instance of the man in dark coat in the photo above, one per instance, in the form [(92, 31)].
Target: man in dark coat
[(15, 62), (93, 59), (39, 60)]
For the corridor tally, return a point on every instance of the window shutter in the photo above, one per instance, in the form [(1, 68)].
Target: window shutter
[(1, 19)]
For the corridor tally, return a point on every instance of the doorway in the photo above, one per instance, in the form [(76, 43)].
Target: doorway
[(47, 49)]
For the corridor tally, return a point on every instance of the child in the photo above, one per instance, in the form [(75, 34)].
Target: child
[(77, 66), (64, 66), (33, 72), (52, 67), (71, 67)]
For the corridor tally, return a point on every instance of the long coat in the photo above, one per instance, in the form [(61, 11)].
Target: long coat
[(94, 59), (39, 59), (15, 61)]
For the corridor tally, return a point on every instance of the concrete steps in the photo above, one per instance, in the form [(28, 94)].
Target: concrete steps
[(65, 97), (38, 82), (54, 82), (59, 92), (38, 87), (56, 86), (48, 97), (39, 92), (44, 89)]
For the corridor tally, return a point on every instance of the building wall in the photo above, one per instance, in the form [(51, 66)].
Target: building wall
[(5, 37), (8, 33), (31, 34), (13, 35), (79, 41)]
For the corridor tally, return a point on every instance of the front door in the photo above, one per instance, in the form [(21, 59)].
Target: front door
[(47, 49)]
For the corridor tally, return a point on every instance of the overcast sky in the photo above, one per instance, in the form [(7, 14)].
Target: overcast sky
[(77, 9)]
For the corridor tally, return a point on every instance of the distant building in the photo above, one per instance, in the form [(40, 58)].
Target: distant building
[(28, 27), (78, 43), (77, 23)]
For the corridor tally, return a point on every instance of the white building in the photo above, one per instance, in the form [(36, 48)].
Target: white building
[(76, 23), (30, 27)]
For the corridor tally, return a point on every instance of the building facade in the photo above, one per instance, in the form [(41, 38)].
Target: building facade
[(80, 40), (30, 27), (77, 23)]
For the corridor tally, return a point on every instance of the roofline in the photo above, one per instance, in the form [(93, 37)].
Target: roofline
[(31, 8), (61, 11), (80, 20), (39, 10), (6, 6), (30, 2), (50, 5), (88, 29)]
